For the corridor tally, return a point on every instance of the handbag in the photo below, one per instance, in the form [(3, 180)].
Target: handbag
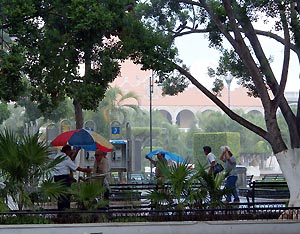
[(218, 168)]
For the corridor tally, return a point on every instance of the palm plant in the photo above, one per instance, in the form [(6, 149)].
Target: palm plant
[(25, 167), (211, 186), (184, 187), (115, 104), (177, 189), (180, 185), (89, 195)]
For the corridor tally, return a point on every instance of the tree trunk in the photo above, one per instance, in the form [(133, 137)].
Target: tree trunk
[(289, 162), (78, 114)]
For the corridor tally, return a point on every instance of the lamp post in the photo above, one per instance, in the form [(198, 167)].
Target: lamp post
[(150, 112), (228, 78)]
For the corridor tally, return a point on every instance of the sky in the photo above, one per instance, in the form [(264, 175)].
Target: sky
[(195, 53)]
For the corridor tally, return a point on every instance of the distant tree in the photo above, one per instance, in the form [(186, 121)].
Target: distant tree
[(164, 135), (16, 120), (116, 104), (4, 112), (214, 121), (32, 111), (10, 86)]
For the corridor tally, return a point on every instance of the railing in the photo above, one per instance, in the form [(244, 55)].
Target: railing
[(260, 211), (128, 202)]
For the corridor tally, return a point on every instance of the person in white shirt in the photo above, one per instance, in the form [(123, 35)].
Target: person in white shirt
[(211, 158), (62, 173)]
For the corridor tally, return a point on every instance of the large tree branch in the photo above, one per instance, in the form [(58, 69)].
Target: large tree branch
[(277, 38), (257, 31), (252, 127), (189, 31), (267, 71), (286, 59), (268, 34), (243, 51)]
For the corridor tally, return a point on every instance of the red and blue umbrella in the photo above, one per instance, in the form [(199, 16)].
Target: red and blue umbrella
[(168, 155), (86, 139)]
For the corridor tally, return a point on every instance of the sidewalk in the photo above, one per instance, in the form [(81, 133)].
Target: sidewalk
[(211, 227)]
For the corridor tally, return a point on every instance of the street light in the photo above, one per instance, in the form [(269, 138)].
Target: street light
[(228, 78), (150, 112)]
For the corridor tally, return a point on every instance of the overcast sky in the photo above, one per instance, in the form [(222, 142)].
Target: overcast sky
[(194, 51)]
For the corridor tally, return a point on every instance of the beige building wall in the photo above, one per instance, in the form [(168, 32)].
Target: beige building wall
[(180, 109)]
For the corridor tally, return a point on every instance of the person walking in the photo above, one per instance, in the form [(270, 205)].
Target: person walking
[(211, 159), (230, 168), (62, 174)]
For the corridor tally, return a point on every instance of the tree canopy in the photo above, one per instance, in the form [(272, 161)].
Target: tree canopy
[(54, 38)]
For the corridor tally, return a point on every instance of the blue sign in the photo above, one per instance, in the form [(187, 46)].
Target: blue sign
[(115, 130)]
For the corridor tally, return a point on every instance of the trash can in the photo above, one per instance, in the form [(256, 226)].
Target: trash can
[(242, 178)]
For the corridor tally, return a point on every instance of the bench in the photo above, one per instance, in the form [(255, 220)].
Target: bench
[(129, 193), (267, 189), (249, 178), (275, 177)]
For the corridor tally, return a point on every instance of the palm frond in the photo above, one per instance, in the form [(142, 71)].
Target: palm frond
[(88, 194)]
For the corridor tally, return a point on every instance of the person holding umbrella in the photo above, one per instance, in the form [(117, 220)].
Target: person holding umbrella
[(158, 165), (62, 174)]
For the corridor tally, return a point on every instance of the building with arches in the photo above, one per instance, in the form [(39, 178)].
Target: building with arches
[(182, 108)]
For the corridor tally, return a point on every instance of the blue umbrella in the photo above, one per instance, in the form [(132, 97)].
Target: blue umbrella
[(167, 154)]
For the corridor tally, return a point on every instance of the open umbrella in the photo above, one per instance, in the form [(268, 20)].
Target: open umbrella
[(88, 140), (168, 155)]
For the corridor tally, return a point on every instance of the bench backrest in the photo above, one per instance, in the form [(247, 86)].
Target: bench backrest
[(268, 184)]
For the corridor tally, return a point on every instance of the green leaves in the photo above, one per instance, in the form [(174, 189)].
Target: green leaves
[(57, 36), (25, 167), (113, 107), (210, 185), (86, 194), (186, 187), (11, 77)]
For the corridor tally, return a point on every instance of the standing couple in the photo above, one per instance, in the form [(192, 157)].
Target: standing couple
[(63, 171), (230, 168)]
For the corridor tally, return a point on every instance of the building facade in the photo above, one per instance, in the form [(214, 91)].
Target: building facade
[(182, 108)]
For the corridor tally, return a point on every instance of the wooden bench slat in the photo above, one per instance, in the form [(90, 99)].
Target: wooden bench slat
[(267, 189)]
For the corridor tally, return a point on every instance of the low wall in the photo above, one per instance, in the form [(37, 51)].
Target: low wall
[(210, 227)]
